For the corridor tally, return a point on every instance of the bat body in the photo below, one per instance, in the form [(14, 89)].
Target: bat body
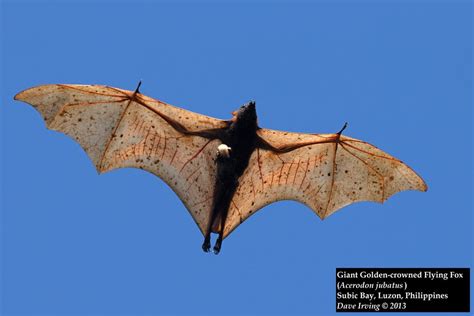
[(223, 170), (241, 138)]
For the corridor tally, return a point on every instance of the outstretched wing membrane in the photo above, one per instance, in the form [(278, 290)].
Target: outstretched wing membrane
[(119, 128), (324, 171)]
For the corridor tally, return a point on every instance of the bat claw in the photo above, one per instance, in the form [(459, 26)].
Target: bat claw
[(137, 90), (342, 129)]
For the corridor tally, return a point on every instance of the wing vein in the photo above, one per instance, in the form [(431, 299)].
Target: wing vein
[(101, 161), (305, 172), (196, 154), (259, 166), (369, 153), (332, 179), (382, 177), (92, 92)]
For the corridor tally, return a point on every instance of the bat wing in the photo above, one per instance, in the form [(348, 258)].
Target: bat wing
[(119, 128), (324, 171)]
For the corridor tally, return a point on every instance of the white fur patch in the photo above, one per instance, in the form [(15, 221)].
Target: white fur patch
[(224, 150)]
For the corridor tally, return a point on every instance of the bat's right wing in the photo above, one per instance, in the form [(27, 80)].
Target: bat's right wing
[(324, 171), (119, 128)]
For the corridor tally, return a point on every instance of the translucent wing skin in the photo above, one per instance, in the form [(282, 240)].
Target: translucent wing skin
[(326, 172), (119, 128)]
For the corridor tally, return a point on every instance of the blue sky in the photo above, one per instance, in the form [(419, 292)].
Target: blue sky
[(74, 243)]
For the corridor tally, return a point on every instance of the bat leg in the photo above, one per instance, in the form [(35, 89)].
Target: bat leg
[(206, 245), (218, 244)]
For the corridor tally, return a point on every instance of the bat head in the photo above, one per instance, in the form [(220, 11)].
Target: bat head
[(246, 114)]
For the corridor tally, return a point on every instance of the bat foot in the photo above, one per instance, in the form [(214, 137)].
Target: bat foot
[(206, 245), (217, 246)]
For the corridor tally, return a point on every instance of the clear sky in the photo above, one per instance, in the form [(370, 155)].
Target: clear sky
[(75, 243)]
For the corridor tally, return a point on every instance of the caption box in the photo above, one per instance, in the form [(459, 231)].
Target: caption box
[(402, 289)]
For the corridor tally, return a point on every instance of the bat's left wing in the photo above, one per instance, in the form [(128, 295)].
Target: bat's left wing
[(119, 128), (324, 171)]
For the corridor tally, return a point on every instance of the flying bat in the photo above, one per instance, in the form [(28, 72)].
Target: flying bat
[(222, 170)]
